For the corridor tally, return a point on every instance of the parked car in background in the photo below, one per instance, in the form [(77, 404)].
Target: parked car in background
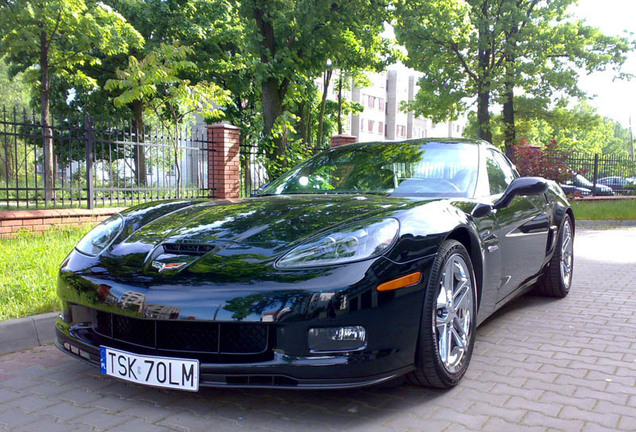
[(575, 191), (620, 185), (581, 182)]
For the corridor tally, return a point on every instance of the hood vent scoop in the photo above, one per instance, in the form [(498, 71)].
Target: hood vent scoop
[(186, 248)]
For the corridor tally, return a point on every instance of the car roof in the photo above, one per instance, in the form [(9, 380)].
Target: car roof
[(449, 141)]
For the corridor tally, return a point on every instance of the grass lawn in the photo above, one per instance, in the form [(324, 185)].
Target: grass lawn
[(605, 210), (28, 270)]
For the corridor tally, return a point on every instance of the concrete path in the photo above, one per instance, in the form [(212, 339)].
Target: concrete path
[(539, 365)]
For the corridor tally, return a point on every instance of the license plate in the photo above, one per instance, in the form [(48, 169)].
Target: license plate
[(155, 371)]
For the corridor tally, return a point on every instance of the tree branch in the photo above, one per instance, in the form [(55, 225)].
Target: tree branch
[(57, 26)]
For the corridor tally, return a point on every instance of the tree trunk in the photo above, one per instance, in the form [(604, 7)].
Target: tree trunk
[(323, 102), (483, 116), (301, 122), (483, 92), (509, 117), (273, 91), (273, 95), (340, 103), (47, 132), (139, 154), (177, 165)]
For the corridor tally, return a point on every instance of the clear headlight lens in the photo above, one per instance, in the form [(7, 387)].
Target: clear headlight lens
[(100, 237), (351, 243)]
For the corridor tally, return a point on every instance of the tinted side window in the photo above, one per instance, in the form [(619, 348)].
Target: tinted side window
[(500, 174)]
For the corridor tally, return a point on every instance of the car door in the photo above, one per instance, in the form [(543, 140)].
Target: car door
[(521, 228)]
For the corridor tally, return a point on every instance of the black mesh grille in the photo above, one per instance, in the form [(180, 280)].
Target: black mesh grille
[(243, 338), (135, 331), (188, 336)]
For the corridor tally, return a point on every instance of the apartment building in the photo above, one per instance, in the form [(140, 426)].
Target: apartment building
[(383, 118)]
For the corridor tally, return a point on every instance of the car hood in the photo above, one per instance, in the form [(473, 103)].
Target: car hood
[(257, 229)]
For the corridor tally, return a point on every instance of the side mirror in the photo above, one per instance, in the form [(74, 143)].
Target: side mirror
[(522, 186)]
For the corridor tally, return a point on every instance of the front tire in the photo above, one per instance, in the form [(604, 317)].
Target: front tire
[(447, 331), (557, 277)]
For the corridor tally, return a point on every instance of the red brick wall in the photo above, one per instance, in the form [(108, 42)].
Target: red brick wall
[(223, 160), (339, 140), (41, 220)]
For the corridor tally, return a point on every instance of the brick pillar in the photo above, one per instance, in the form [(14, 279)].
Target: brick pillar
[(223, 160), (344, 139)]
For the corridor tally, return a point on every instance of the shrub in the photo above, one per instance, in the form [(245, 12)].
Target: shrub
[(550, 162)]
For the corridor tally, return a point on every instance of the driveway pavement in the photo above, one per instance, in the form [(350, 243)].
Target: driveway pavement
[(539, 365)]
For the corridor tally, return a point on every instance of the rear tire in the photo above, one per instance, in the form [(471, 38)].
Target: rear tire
[(557, 276), (448, 324)]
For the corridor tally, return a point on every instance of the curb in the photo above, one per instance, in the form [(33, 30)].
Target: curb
[(604, 224), (23, 333)]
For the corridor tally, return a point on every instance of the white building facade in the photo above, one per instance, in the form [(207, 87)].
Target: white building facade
[(383, 118)]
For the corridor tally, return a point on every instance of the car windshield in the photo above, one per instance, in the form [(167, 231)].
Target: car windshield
[(402, 169)]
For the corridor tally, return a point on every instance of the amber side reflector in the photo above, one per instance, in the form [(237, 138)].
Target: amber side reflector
[(401, 282)]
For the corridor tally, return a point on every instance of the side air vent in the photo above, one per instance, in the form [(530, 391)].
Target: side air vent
[(187, 248)]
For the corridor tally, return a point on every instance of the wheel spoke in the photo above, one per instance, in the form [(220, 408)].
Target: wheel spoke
[(448, 336), (459, 338), (461, 295), (442, 298), (443, 345), (448, 276), (566, 243)]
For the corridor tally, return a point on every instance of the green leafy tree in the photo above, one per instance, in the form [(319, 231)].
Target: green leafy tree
[(485, 49), (210, 27), (291, 40), (157, 80), (49, 38), (579, 128)]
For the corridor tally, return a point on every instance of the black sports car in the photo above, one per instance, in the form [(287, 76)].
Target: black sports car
[(362, 264)]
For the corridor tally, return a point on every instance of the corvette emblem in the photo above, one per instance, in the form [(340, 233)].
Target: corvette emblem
[(161, 267)]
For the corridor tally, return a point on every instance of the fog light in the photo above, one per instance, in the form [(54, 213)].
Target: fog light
[(337, 338)]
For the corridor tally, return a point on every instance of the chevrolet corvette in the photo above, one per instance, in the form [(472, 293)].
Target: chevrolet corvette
[(365, 263)]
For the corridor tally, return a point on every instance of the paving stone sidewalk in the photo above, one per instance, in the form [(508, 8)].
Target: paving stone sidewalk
[(539, 365)]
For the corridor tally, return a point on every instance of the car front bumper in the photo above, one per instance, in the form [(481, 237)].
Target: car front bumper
[(283, 360)]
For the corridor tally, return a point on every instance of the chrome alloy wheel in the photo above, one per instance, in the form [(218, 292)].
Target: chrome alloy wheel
[(567, 253), (453, 313)]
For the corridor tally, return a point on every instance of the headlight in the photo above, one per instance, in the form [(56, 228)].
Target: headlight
[(100, 237), (351, 243)]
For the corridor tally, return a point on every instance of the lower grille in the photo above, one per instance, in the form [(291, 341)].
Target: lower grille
[(184, 336)]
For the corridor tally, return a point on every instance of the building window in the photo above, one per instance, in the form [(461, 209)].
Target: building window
[(381, 103), (380, 127), (371, 125), (401, 131), (371, 101), (361, 124)]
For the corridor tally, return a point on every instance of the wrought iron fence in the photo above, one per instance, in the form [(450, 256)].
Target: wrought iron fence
[(617, 172), (255, 163), (253, 168), (98, 163)]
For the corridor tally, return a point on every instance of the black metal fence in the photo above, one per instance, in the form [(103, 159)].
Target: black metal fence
[(256, 165), (616, 172), (98, 163), (253, 168)]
